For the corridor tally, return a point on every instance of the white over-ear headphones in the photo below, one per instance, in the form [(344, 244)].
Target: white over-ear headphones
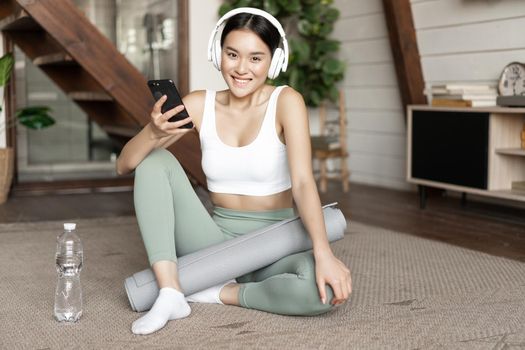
[(280, 57)]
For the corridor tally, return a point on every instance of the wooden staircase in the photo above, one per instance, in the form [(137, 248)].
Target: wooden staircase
[(71, 51)]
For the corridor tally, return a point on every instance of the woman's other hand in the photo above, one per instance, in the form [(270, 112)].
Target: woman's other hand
[(161, 127), (330, 270)]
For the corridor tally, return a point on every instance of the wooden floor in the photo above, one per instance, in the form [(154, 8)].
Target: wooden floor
[(494, 229)]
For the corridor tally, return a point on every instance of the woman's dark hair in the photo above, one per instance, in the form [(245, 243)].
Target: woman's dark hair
[(257, 24)]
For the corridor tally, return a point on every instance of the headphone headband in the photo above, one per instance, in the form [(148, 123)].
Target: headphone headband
[(253, 11)]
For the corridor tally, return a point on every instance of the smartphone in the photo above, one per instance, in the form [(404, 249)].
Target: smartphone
[(166, 87)]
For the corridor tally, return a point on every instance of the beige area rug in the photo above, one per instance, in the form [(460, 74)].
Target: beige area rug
[(409, 293)]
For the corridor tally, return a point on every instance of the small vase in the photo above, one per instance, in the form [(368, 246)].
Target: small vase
[(6, 172)]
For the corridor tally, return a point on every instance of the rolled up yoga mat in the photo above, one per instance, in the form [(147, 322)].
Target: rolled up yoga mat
[(235, 257)]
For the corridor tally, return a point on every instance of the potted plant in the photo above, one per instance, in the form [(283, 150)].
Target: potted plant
[(32, 117)]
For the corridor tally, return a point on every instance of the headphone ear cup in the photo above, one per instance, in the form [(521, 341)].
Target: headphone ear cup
[(277, 63), (217, 52)]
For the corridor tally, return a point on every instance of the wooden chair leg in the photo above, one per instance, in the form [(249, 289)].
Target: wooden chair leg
[(323, 176), (345, 174)]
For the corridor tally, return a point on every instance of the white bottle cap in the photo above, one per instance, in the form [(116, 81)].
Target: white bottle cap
[(70, 226)]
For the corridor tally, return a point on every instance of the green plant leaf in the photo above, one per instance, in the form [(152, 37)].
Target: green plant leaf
[(315, 98), (304, 27), (328, 79), (311, 12), (224, 9), (35, 117), (246, 3), (325, 29), (325, 46), (6, 66), (301, 51), (333, 92), (333, 66), (242, 3), (331, 15), (293, 6), (271, 6)]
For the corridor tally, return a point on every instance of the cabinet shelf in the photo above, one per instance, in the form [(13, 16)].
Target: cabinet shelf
[(509, 194), (511, 151)]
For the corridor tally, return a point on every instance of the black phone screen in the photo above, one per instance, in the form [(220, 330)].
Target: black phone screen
[(166, 87)]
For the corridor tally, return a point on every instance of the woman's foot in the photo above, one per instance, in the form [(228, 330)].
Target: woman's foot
[(170, 305)]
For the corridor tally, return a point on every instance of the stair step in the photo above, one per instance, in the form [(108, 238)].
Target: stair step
[(89, 96), (54, 59), (19, 21), (106, 86)]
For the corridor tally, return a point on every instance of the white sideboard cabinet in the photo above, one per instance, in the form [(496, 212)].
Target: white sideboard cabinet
[(469, 150)]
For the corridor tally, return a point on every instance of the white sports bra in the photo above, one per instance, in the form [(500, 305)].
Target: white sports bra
[(257, 169)]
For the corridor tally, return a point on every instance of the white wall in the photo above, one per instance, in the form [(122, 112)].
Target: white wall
[(203, 15), (466, 41), (376, 124)]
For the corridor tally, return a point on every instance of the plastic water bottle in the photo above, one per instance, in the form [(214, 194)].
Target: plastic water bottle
[(69, 258)]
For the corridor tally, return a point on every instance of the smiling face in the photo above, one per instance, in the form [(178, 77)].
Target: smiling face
[(245, 62)]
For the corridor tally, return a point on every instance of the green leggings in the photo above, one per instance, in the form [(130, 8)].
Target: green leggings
[(174, 222)]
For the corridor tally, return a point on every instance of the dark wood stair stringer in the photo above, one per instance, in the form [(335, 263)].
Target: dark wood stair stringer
[(60, 40)]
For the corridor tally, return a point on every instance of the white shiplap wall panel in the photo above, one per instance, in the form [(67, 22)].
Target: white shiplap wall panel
[(378, 121), (359, 75), (370, 51), (354, 8), (446, 13), (459, 41), (365, 141), (361, 28), (482, 66), (376, 126), (374, 98), (472, 37)]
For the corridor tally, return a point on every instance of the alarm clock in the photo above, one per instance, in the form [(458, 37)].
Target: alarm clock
[(511, 86)]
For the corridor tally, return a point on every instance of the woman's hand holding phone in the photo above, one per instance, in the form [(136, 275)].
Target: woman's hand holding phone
[(161, 127)]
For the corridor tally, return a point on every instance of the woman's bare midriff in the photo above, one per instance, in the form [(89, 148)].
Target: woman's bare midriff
[(276, 201)]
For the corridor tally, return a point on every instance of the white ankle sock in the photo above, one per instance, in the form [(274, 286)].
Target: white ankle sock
[(170, 305), (210, 295)]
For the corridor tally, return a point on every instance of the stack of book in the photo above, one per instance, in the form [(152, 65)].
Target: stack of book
[(462, 95)]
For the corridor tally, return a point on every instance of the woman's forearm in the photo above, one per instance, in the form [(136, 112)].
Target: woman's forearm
[(137, 149), (309, 206)]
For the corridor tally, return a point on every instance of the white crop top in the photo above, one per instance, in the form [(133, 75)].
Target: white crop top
[(257, 169)]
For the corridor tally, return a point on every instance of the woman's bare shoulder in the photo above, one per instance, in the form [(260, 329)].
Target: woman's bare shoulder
[(194, 103), (290, 102), (194, 99)]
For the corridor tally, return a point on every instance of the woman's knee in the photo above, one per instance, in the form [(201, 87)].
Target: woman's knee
[(310, 297), (157, 161)]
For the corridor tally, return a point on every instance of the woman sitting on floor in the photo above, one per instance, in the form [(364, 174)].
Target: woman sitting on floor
[(256, 156)]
